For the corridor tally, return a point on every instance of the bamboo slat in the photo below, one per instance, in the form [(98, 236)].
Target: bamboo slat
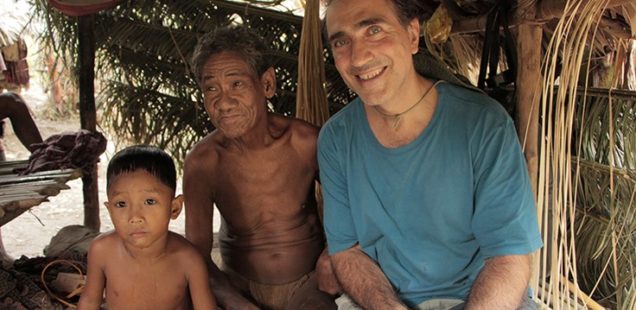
[(20, 193), (60, 175)]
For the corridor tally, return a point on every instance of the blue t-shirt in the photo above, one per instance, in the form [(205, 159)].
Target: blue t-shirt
[(429, 212)]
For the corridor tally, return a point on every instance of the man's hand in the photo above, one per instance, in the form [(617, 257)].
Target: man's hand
[(327, 281)]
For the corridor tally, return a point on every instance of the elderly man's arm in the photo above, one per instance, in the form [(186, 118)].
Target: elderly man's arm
[(501, 284), (363, 280), (327, 281), (197, 191)]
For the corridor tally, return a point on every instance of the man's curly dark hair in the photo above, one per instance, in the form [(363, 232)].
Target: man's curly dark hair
[(406, 9)]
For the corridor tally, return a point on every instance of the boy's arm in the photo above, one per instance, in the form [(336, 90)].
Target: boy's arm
[(198, 283), (93, 292)]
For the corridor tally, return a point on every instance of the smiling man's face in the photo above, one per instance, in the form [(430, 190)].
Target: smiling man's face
[(371, 48)]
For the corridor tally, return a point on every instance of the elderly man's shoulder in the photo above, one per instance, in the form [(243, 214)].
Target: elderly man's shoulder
[(298, 128), (204, 151), (304, 129)]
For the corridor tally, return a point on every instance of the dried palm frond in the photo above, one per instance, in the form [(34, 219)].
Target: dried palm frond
[(606, 221)]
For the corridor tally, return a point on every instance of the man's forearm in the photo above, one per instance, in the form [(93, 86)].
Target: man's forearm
[(502, 283), (363, 280)]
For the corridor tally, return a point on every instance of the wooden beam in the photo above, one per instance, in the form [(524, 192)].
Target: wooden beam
[(88, 115), (615, 28), (547, 10), (554, 9)]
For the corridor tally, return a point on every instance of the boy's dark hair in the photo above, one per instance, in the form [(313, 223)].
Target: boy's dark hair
[(240, 41), (149, 158)]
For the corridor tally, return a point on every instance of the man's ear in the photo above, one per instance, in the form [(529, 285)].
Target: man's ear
[(268, 80), (414, 35), (176, 206)]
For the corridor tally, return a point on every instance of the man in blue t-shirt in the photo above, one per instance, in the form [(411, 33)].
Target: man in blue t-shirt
[(427, 199)]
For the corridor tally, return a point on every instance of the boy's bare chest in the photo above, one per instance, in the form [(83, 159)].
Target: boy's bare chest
[(138, 286)]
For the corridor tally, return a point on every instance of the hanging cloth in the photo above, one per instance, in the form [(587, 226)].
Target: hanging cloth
[(81, 7), (16, 67)]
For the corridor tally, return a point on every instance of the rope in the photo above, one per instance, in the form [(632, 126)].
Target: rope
[(75, 292)]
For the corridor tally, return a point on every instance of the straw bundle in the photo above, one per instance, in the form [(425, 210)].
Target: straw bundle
[(311, 99)]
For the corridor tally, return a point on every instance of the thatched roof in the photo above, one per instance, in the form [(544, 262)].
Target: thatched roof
[(12, 24)]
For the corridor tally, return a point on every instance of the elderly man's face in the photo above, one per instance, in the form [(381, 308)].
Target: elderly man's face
[(371, 48), (233, 95)]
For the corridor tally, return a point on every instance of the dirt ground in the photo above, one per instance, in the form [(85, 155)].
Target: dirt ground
[(32, 231)]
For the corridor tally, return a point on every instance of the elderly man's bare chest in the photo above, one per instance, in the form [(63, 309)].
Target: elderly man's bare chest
[(262, 177)]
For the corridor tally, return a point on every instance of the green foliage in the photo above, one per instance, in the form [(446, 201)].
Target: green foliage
[(146, 90)]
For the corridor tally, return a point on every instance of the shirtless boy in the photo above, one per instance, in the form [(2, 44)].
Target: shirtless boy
[(259, 168), (141, 264)]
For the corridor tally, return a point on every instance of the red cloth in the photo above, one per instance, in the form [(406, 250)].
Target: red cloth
[(86, 7), (67, 150), (17, 72)]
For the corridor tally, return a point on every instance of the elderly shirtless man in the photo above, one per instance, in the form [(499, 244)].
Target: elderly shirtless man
[(259, 169)]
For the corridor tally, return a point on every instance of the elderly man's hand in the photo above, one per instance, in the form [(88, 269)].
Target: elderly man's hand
[(229, 299), (327, 281)]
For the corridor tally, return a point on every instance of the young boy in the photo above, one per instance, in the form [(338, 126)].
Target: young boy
[(141, 264)]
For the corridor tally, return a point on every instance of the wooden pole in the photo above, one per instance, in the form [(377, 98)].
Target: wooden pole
[(88, 115), (528, 95), (528, 90)]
